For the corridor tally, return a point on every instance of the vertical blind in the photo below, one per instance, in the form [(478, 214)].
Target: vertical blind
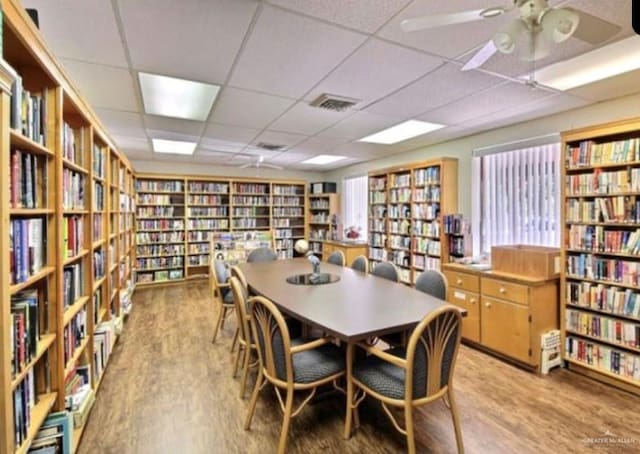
[(354, 204), (520, 197)]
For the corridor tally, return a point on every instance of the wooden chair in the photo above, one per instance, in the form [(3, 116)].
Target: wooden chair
[(237, 272), (415, 376), (434, 283), (262, 254), (300, 367), (386, 270), (337, 258), (221, 294), (245, 344), (360, 263)]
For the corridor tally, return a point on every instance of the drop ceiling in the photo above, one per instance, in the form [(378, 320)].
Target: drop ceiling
[(272, 57)]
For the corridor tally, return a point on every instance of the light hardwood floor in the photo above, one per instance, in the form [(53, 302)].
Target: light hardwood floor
[(169, 390)]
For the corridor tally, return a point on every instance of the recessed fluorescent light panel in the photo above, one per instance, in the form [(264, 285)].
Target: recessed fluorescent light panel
[(324, 159), (177, 98), (608, 61), (173, 146), (401, 132)]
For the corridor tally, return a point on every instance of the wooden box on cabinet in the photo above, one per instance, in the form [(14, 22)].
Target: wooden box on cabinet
[(350, 250), (532, 261), (507, 313)]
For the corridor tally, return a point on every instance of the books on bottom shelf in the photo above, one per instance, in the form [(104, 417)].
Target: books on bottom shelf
[(54, 436), (125, 297), (608, 359), (24, 399), (79, 396), (104, 339)]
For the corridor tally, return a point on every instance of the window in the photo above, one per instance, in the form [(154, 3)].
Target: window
[(354, 204), (519, 200)]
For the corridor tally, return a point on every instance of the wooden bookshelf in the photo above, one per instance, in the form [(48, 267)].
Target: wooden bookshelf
[(288, 218), (600, 315), (406, 205), (321, 218), (59, 161)]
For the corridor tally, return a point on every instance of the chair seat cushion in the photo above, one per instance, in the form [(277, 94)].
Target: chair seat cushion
[(319, 363), (381, 376), (228, 296)]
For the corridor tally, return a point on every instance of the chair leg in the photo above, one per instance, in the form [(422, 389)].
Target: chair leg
[(237, 361), (456, 421), (445, 399), (408, 422), (288, 408), (254, 399), (219, 322), (245, 371), (234, 342)]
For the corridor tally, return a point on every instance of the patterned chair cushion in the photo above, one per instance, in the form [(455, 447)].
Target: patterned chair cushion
[(381, 376), (227, 297), (319, 363)]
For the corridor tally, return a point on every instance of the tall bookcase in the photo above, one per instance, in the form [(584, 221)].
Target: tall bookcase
[(175, 217), (322, 212), (406, 205), (56, 222), (601, 252)]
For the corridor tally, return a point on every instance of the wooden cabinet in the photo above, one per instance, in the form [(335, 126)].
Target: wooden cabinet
[(507, 313), (349, 249)]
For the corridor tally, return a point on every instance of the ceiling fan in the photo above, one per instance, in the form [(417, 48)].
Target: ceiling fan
[(258, 163), (537, 24)]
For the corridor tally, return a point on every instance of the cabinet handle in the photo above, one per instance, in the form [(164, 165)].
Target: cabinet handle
[(472, 301), (487, 304), (503, 290), (458, 281)]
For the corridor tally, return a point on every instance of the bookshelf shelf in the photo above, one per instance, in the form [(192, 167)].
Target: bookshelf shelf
[(76, 257), (26, 144), (31, 211), (76, 356), (38, 414), (73, 166), (45, 272), (45, 342), (72, 310), (601, 219)]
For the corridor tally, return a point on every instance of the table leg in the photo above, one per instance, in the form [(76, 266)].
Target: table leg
[(349, 415)]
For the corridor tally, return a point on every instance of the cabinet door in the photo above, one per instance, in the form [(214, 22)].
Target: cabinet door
[(505, 328), (327, 250), (470, 302)]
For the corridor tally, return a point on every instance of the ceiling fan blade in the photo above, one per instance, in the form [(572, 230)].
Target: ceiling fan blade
[(594, 30), (440, 20), (271, 166), (247, 165), (480, 57)]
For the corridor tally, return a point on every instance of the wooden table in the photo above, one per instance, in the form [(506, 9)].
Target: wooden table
[(353, 309)]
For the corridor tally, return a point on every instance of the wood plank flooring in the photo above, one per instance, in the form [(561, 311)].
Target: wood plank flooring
[(168, 389)]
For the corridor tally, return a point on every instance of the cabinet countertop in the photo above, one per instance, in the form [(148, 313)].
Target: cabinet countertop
[(457, 267), (344, 243)]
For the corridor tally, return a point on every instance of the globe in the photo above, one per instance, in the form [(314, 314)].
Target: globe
[(301, 246)]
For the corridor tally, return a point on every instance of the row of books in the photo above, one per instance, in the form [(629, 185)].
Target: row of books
[(425, 211), (605, 298), (288, 190), (160, 224), (377, 183), (208, 187), (399, 227), (199, 260), (162, 249), (155, 237), (427, 194), (377, 197), (71, 148), (399, 242), (251, 201), (72, 190), (27, 248), (99, 162), (24, 399), (430, 175), (158, 186), (396, 180), (624, 209), (604, 328), (288, 212), (158, 276), (400, 195), (250, 223), (399, 258), (25, 185), (377, 225), (54, 436), (284, 244), (253, 211), (601, 182), (425, 246), (211, 224), (215, 212), (288, 201), (160, 199), (426, 228), (72, 236), (208, 199), (98, 196), (377, 240), (74, 333), (159, 211), (99, 264), (285, 233), (104, 338), (24, 329), (598, 238), (284, 254), (404, 275), (285, 222), (199, 248), (455, 224), (425, 262), (592, 267), (160, 262), (28, 111), (72, 278), (248, 188), (199, 235), (609, 359), (457, 246), (98, 223), (376, 253), (79, 396), (399, 211), (319, 204), (590, 153)]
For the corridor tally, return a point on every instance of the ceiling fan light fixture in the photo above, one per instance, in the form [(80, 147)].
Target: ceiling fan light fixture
[(559, 24), (494, 11), (505, 40)]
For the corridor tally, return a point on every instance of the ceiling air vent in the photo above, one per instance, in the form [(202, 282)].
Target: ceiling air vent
[(270, 146), (333, 102)]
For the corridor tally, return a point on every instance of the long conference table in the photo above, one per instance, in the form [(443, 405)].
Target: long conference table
[(357, 307)]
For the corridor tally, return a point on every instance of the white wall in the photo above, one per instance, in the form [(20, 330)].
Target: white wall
[(189, 168), (617, 109)]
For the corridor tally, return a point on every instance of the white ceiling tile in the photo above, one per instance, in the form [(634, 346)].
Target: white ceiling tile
[(291, 157), (361, 124), (212, 157), (288, 54), (363, 15), (614, 87), (138, 154), (195, 39), (360, 150), (172, 157), (280, 138), (247, 108), (122, 123), (256, 152), (93, 20), (507, 95), (103, 86), (189, 127), (227, 138), (319, 144), (375, 70), (126, 143), (172, 135), (442, 86), (304, 119)]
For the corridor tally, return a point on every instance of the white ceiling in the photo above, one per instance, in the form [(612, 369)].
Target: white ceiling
[(272, 57)]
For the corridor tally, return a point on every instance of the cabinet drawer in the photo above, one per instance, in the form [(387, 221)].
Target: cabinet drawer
[(463, 281), (470, 302), (516, 293)]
